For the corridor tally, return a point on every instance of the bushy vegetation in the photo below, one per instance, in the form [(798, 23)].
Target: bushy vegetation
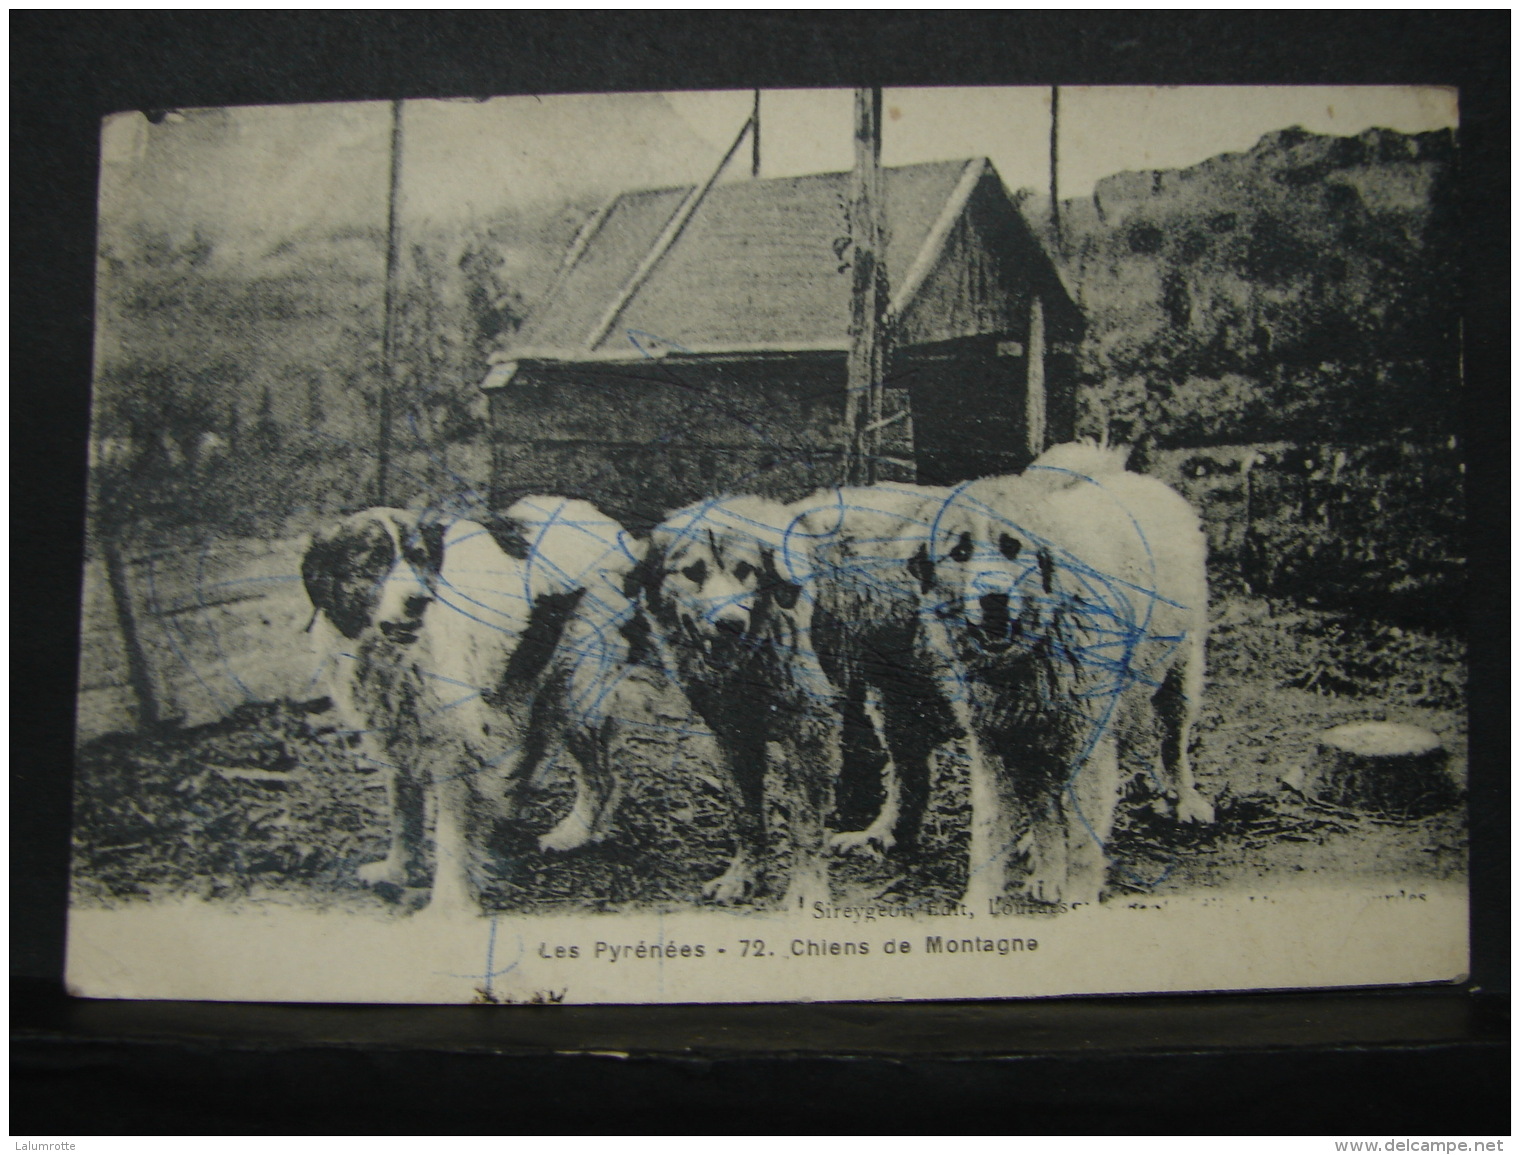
[(239, 392), (1374, 528), (1305, 290)]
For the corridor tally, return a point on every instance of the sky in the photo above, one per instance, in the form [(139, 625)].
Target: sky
[(253, 176)]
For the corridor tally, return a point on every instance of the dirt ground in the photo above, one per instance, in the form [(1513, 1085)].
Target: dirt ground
[(269, 804)]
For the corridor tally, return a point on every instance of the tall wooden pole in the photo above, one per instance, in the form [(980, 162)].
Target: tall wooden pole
[(866, 364), (754, 138), (392, 309), (1055, 190)]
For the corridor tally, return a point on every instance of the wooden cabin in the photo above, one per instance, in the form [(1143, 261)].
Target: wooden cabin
[(696, 344)]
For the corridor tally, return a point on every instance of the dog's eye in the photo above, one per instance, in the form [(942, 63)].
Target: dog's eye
[(961, 552), (1009, 546), (695, 573), (743, 571)]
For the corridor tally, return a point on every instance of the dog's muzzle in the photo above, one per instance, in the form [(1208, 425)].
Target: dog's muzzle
[(400, 633), (992, 630), (721, 640), (999, 629), (405, 631), (728, 639)]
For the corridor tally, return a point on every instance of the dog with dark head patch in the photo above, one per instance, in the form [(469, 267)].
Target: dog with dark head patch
[(375, 569), (371, 577), (461, 675), (727, 592), (1069, 607)]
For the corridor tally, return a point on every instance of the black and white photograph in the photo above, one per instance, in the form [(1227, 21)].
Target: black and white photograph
[(784, 544)]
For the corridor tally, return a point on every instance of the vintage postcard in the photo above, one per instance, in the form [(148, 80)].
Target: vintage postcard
[(780, 545)]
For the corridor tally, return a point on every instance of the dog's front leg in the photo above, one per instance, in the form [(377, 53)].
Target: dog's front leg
[(597, 791), (1065, 802), (406, 793), (577, 708), (1090, 800), (991, 836), (917, 722), (880, 836), (811, 751), (453, 889), (741, 741), (353, 724)]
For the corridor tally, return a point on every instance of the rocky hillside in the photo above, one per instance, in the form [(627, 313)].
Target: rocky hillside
[(1303, 290)]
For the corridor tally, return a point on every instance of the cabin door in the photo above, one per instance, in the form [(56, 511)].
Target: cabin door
[(968, 414)]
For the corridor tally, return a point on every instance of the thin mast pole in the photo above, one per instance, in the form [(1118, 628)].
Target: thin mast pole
[(1055, 192), (392, 308), (754, 138)]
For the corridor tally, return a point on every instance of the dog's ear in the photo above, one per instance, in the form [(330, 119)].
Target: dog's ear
[(645, 576), (635, 549), (785, 593), (508, 534), (432, 527), (319, 572), (1047, 570), (342, 569), (922, 568), (639, 635)]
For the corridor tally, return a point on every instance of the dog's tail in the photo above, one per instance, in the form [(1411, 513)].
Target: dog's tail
[(1064, 465)]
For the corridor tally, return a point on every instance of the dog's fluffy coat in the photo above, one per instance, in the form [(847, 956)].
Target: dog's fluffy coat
[(1046, 618), (1068, 604), (466, 655)]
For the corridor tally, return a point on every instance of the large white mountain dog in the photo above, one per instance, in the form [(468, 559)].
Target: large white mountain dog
[(1068, 606), (728, 595), (466, 653)]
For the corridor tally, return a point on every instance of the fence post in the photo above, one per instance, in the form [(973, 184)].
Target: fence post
[(1252, 564), (139, 673)]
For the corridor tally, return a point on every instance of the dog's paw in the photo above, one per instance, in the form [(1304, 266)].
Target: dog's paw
[(808, 886), (1194, 807), (568, 835), (871, 843), (1076, 886), (387, 872), (1190, 806), (1047, 889), (735, 884)]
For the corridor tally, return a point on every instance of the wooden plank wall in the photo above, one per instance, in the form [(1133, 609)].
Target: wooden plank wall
[(220, 625)]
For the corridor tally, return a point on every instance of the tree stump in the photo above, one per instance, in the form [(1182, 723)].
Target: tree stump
[(1388, 767)]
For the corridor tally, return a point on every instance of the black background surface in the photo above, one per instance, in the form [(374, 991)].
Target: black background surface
[(1375, 1062)]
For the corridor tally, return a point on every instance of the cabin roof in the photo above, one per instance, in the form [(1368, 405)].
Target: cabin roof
[(758, 266)]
